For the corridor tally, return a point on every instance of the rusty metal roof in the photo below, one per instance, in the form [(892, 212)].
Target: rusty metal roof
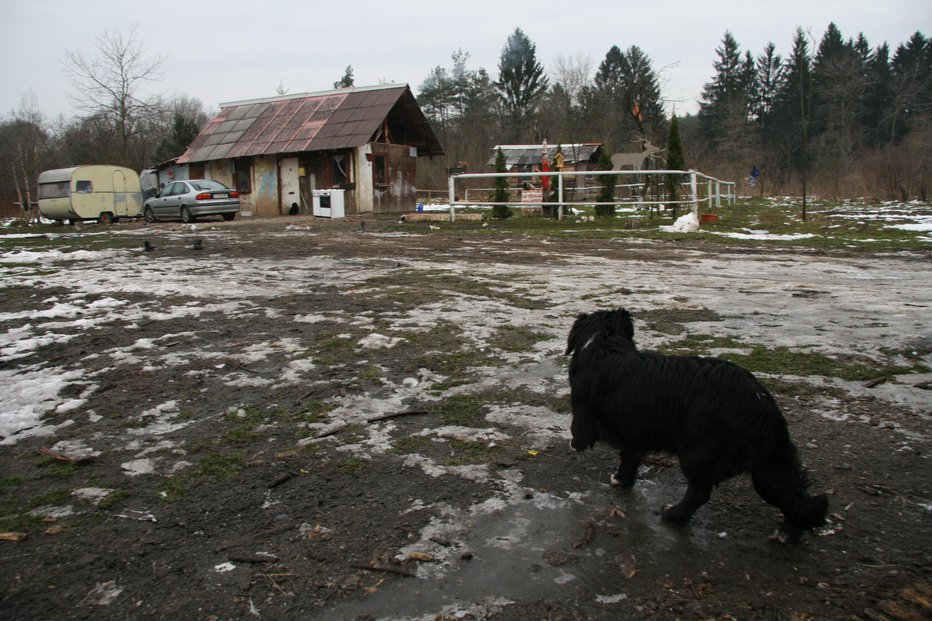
[(338, 119), (524, 155)]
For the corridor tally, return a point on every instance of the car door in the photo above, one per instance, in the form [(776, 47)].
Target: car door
[(158, 203), (168, 201)]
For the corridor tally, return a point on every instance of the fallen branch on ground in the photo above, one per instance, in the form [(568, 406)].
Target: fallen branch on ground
[(388, 570), (331, 432), (68, 459)]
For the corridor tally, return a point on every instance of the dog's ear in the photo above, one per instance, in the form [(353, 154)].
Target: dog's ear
[(624, 324), (574, 334)]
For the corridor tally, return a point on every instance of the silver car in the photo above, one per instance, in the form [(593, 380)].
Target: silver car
[(192, 199)]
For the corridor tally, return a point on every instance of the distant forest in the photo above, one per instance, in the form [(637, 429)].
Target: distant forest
[(842, 117), (838, 118)]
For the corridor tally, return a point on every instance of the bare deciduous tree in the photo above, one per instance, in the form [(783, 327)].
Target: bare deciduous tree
[(573, 73), (107, 83)]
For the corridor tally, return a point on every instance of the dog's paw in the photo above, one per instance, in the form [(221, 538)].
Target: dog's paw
[(580, 445), (674, 514), (785, 534), (778, 536), (622, 482)]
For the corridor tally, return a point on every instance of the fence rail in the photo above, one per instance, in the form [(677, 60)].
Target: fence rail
[(648, 189)]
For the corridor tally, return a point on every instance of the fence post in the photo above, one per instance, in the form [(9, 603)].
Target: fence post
[(694, 192), (560, 196), (452, 197)]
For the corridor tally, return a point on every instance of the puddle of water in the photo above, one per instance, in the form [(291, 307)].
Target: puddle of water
[(526, 550)]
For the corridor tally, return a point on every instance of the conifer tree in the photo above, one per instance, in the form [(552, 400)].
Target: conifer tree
[(727, 100), (607, 185), (521, 83), (675, 161), (794, 110), (500, 195)]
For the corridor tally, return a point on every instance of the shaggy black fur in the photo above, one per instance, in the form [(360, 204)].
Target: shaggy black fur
[(713, 415)]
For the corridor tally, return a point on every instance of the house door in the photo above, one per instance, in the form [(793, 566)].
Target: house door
[(289, 181)]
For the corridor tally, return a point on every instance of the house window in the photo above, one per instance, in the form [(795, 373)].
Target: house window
[(339, 165), (242, 175), (378, 163), (84, 187)]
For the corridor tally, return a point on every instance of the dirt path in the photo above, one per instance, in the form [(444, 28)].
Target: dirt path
[(306, 420)]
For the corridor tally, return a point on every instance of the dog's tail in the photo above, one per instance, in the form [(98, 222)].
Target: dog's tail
[(782, 481)]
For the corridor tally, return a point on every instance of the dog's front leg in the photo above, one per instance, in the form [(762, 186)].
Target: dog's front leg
[(584, 428), (627, 468)]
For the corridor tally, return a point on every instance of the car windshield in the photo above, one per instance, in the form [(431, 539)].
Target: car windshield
[(206, 184)]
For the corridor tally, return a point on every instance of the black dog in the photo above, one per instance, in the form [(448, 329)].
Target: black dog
[(712, 414)]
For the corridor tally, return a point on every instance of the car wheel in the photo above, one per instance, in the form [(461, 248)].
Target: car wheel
[(105, 218), (149, 215), (186, 215), (229, 216)]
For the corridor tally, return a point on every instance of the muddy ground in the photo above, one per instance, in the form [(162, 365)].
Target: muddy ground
[(310, 420)]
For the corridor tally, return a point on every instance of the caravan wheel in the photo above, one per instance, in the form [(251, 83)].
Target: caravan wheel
[(105, 218)]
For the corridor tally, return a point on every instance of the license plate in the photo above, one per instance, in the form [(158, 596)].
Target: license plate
[(222, 195)]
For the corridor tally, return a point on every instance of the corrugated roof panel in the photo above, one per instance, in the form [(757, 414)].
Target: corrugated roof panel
[(201, 155), (309, 122), (239, 149), (243, 125), (359, 114), (255, 129), (238, 113), (256, 148), (327, 130), (269, 133), (530, 155), (378, 98), (225, 127), (367, 128), (256, 110), (340, 116), (220, 151)]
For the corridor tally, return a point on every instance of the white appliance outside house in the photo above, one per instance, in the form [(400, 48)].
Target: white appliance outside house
[(329, 203)]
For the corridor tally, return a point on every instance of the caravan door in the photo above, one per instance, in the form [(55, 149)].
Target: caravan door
[(119, 194)]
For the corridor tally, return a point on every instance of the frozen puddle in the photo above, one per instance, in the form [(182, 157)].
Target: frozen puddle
[(528, 548)]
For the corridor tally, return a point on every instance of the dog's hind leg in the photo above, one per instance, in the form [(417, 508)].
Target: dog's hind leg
[(698, 492), (782, 483), (627, 468), (697, 465)]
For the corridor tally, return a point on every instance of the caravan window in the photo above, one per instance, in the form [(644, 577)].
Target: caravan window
[(83, 187), (53, 190)]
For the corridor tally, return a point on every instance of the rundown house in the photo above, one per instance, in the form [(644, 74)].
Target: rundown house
[(276, 152), (527, 157)]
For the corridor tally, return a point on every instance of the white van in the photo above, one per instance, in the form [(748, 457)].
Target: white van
[(102, 193)]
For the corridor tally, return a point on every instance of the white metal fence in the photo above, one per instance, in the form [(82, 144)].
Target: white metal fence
[(641, 188)]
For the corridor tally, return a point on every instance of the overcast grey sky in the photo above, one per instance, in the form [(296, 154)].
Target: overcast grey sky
[(226, 51)]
